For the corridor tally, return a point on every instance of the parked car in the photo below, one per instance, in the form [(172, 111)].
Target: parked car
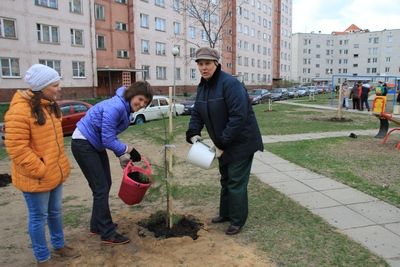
[(73, 111), (302, 91), (279, 94), (292, 92), (157, 109), (188, 104), (259, 96)]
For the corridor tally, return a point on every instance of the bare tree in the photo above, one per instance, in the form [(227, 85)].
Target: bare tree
[(210, 15)]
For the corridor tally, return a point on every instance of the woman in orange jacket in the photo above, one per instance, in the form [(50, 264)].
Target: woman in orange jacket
[(39, 165)]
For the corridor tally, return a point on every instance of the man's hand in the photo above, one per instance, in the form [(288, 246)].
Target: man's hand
[(195, 139), (218, 152)]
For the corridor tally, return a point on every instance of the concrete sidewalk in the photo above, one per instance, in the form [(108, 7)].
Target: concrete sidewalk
[(365, 219)]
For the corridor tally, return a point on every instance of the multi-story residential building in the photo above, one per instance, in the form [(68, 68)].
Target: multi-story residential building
[(59, 34), (354, 52), (99, 45)]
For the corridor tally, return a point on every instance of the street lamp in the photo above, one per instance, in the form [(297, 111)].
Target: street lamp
[(175, 52)]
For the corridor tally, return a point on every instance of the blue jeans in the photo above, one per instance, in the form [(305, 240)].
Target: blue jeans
[(42, 207)]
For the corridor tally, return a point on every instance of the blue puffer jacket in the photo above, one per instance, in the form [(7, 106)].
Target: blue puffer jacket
[(223, 106), (104, 121)]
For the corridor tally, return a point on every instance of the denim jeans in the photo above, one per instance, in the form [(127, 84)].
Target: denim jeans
[(96, 168), (44, 206), (233, 196)]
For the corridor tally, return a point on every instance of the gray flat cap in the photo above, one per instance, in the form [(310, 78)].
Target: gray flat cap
[(207, 53)]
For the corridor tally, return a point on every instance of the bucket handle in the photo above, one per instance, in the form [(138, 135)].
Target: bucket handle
[(147, 170)]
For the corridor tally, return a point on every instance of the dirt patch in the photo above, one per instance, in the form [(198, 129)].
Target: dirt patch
[(211, 248), (330, 119)]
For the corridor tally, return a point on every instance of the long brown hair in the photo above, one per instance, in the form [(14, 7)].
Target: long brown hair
[(37, 110)]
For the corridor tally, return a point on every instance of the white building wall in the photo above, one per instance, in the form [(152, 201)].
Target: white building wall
[(286, 39), (29, 50)]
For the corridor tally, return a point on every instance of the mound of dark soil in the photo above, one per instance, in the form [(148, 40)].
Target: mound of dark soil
[(184, 226), (5, 179)]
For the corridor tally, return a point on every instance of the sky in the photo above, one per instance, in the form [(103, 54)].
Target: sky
[(336, 15)]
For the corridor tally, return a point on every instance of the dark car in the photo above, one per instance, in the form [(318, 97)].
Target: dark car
[(188, 104), (279, 94), (259, 96), (73, 111)]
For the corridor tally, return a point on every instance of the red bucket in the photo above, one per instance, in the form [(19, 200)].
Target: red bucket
[(132, 192)]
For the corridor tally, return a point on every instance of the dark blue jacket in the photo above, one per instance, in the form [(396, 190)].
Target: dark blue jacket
[(223, 106), (104, 121)]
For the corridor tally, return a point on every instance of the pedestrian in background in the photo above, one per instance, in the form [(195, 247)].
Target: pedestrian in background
[(355, 95), (345, 95), (97, 131), (39, 165), (223, 106), (365, 88)]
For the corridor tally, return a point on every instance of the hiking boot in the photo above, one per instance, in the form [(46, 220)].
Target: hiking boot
[(66, 252), (219, 219), (233, 230), (116, 239)]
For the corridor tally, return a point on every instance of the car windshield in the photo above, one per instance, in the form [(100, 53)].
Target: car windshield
[(256, 92)]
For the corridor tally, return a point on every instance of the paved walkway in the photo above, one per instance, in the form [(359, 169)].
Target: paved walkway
[(365, 219)]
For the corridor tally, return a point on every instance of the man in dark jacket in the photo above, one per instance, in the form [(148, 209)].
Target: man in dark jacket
[(223, 106), (365, 88)]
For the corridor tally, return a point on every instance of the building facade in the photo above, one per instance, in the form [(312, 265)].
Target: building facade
[(354, 52), (59, 34)]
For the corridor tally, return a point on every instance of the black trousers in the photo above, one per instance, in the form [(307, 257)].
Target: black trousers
[(364, 99), (233, 197), (356, 103), (96, 168)]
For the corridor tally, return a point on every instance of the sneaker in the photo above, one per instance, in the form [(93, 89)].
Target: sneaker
[(96, 232), (233, 230), (66, 252), (116, 239)]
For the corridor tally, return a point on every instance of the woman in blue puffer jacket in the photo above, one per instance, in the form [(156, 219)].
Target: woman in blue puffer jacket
[(97, 131)]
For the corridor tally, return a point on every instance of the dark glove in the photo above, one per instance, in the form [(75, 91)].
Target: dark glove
[(189, 134), (135, 156)]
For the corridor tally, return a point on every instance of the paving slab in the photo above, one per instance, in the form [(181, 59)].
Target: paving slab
[(324, 184), (268, 158), (378, 211), (303, 174), (314, 200), (348, 196), (291, 187), (274, 177), (377, 239), (257, 168), (394, 227), (343, 217), (287, 167)]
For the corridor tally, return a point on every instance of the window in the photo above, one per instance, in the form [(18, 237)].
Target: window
[(160, 3), (78, 69), (47, 3), (99, 12), (100, 42), (356, 46), (387, 59), (121, 1), (192, 32), (9, 67), (145, 46), (177, 28), (355, 65), (193, 74), (144, 20), (355, 55), (160, 49), (47, 33), (55, 64), (373, 70), (387, 69), (177, 73), (76, 37), (122, 54), (160, 24), (192, 52), (75, 6), (146, 72), (7, 28), (121, 26), (176, 5), (161, 73)]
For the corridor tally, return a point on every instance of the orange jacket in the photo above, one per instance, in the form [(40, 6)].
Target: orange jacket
[(38, 159)]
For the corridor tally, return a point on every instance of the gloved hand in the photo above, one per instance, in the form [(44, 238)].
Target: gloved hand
[(195, 139), (124, 160), (191, 133), (135, 156)]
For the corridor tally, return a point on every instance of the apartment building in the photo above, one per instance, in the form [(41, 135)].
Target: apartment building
[(353, 52), (59, 34)]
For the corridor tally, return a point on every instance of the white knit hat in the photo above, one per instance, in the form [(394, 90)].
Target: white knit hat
[(39, 76)]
